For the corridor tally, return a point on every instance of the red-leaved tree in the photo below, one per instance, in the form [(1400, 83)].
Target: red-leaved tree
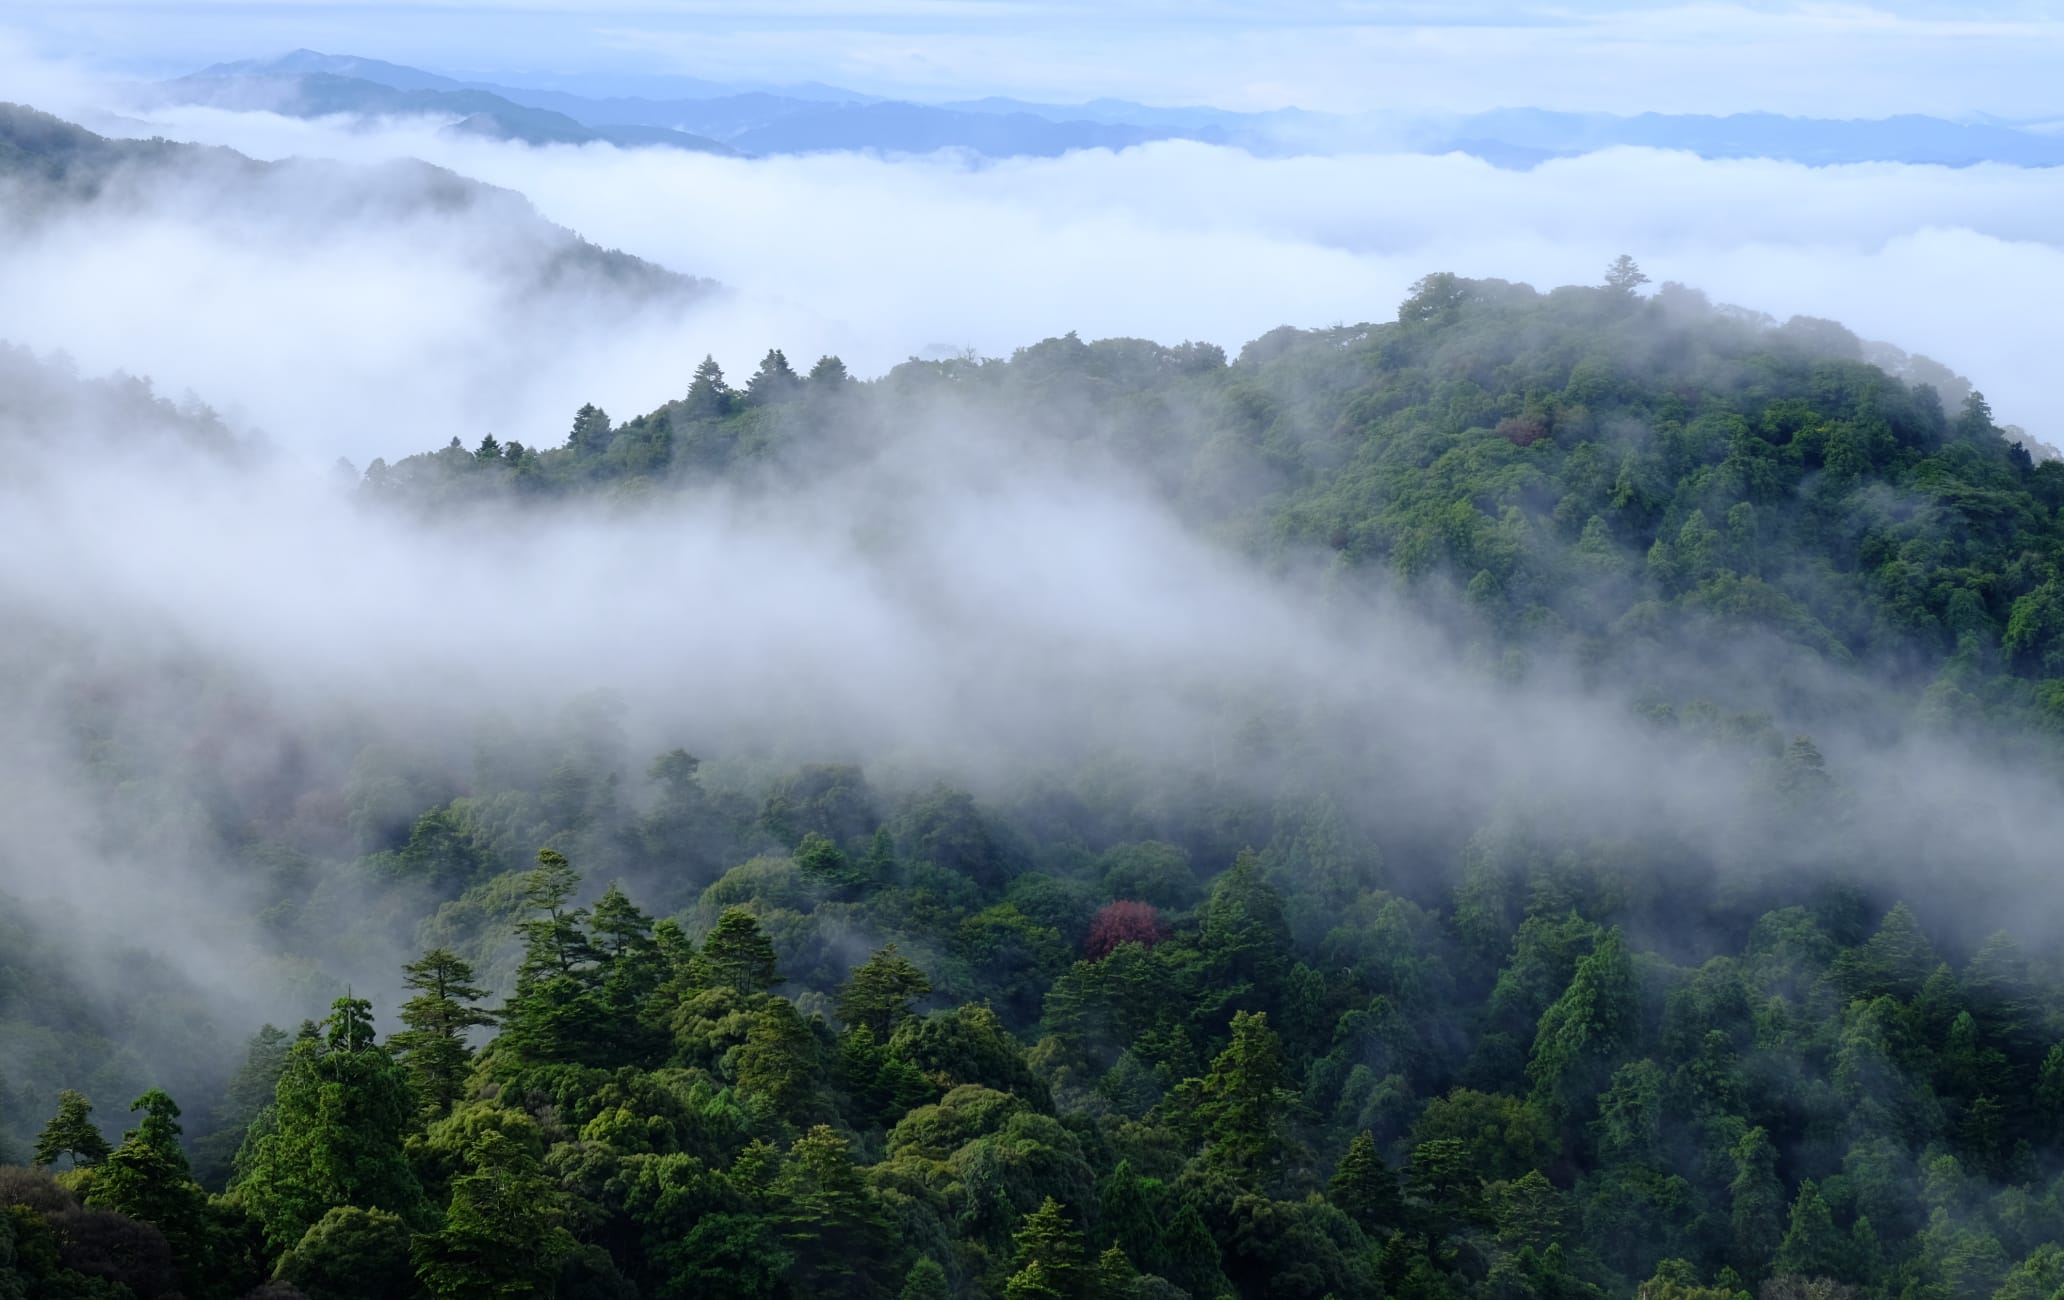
[(1124, 921)]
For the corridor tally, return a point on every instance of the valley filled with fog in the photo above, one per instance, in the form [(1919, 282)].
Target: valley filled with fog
[(1266, 708)]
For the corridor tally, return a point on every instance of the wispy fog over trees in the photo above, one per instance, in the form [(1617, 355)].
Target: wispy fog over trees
[(1542, 797)]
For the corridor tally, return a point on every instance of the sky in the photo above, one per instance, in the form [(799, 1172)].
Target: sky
[(1830, 59)]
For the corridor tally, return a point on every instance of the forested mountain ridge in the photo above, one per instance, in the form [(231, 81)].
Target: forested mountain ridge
[(1249, 1024), (50, 169), (1595, 474)]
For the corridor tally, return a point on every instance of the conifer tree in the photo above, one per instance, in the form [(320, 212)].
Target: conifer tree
[(925, 1281), (71, 1132), (880, 990), (709, 397), (1812, 1247), (1364, 1187), (738, 955), (1240, 1104), (1049, 1245), (433, 1049)]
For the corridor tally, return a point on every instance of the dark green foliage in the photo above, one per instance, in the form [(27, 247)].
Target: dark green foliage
[(879, 992), (352, 1254), (334, 1134), (501, 1235), (1496, 1047), (71, 1133), (433, 1047)]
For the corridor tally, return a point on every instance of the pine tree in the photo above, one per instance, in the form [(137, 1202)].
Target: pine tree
[(71, 1132), (926, 1281), (779, 1058), (549, 1016), (147, 1178), (1115, 1276), (709, 397), (1364, 1187), (1758, 1201), (1811, 1246), (827, 1215), (879, 992), (738, 954), (591, 431), (1623, 276), (775, 381), (828, 373), (433, 1048), (1242, 1101), (1049, 1246)]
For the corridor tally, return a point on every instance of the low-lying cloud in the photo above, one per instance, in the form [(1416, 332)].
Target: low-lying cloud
[(387, 338)]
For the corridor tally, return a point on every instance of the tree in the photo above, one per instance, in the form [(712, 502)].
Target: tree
[(1123, 921), (1115, 1276), (591, 432), (1243, 1100), (775, 381), (71, 1132), (1623, 276), (925, 1280), (433, 1047), (334, 1134), (548, 1016), (1757, 1202), (352, 1254), (827, 1216), (709, 397), (1586, 1028), (147, 1177), (879, 992), (829, 373), (779, 1057), (1364, 1187), (490, 449), (1811, 1246), (502, 1236), (738, 955), (1051, 1246)]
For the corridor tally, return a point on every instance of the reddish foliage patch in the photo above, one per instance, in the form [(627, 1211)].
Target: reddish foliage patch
[(1123, 922), (1522, 430)]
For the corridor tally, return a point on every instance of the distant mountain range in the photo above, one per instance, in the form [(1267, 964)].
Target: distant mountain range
[(49, 166), (719, 118)]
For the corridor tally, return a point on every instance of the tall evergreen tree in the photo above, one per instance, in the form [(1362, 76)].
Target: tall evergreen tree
[(737, 954), (1365, 1188), (709, 397), (433, 1047), (880, 990), (71, 1132)]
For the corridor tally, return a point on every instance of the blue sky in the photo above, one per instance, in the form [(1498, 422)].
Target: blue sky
[(1835, 59)]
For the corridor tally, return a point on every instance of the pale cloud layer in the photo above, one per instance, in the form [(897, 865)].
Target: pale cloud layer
[(392, 338), (1835, 59)]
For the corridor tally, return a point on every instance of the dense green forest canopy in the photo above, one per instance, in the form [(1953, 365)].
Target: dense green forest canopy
[(1261, 1021)]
